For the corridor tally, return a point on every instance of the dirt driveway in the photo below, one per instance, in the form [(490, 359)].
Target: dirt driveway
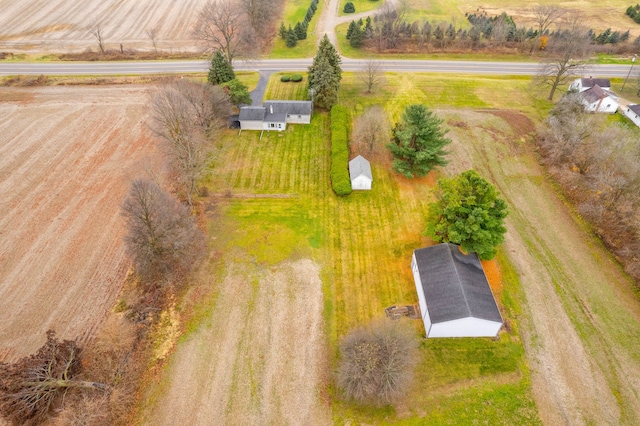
[(66, 157)]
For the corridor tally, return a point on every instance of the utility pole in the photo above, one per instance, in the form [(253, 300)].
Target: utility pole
[(633, 60)]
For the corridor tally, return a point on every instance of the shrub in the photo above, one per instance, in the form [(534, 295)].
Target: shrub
[(296, 78), (340, 180), (377, 363), (285, 78), (349, 8)]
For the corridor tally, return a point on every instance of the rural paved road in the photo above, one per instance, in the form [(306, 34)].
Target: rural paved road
[(184, 67)]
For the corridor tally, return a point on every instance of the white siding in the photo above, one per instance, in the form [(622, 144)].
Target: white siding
[(421, 299), (465, 327), (251, 125), (298, 118), (632, 116), (274, 126), (607, 106), (361, 182)]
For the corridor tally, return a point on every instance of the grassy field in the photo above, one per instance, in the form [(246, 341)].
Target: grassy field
[(294, 12), (361, 5)]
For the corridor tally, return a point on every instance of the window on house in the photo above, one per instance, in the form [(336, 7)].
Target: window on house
[(299, 116), (273, 125)]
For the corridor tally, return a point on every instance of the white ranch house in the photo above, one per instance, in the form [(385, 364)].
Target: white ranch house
[(633, 113), (582, 84), (275, 115), (360, 172), (596, 99), (454, 294)]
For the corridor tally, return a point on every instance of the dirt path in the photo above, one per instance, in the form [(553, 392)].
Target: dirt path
[(259, 359), (66, 155), (582, 325)]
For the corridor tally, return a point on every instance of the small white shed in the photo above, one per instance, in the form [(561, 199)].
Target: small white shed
[(633, 113), (360, 172), (454, 294)]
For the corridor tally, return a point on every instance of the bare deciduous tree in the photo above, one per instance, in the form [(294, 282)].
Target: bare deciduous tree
[(259, 13), (153, 36), (32, 387), (162, 237), (377, 363), (97, 33), (546, 15), (185, 115), (568, 51), (222, 25), (371, 131), (371, 74)]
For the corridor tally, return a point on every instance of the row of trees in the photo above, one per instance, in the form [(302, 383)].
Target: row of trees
[(391, 31), (299, 31), (597, 165)]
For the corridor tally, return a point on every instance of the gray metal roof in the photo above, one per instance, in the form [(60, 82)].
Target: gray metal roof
[(455, 285), (360, 166), (590, 82), (289, 107), (252, 113)]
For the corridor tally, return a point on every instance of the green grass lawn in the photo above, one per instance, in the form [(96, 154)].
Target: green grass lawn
[(295, 11), (361, 6), (283, 208)]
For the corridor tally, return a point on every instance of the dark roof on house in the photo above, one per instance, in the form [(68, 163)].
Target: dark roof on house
[(252, 113), (276, 117), (289, 107), (360, 166), (595, 94), (455, 285), (635, 108), (590, 82)]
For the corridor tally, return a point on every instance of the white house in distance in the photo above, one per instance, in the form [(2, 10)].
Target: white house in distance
[(633, 113), (582, 84), (274, 115), (454, 294), (360, 172), (596, 99)]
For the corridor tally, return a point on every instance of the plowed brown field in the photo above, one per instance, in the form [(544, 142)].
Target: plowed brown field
[(66, 157), (62, 26)]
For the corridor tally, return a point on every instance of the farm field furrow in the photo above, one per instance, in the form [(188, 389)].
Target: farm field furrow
[(62, 26), (66, 157)]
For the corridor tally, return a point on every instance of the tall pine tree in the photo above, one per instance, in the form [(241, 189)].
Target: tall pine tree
[(220, 70), (418, 142), (325, 74)]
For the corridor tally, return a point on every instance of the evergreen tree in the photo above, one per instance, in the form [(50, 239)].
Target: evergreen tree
[(282, 32), (418, 142), (220, 70), (292, 38), (357, 37), (238, 92), (301, 31), (326, 84), (325, 74), (468, 212), (352, 26)]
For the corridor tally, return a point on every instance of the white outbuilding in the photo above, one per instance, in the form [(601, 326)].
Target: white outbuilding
[(360, 172), (454, 294), (633, 113)]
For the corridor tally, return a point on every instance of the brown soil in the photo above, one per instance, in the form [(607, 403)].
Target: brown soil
[(64, 26), (258, 360), (66, 157)]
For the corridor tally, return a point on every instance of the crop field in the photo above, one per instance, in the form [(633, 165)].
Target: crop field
[(66, 26), (66, 157)]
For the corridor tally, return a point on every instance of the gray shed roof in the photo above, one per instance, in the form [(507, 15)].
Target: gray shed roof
[(360, 166), (252, 113), (455, 285), (289, 107), (590, 82)]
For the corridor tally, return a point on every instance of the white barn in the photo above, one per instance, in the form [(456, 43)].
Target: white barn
[(454, 294), (360, 172), (633, 113), (596, 99)]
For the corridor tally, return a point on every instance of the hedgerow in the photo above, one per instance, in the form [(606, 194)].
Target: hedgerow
[(340, 180)]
